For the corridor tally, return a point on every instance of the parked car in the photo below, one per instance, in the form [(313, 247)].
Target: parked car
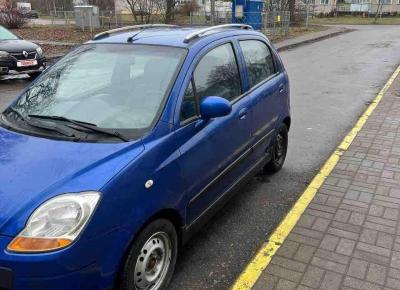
[(18, 56), (32, 14), (124, 148)]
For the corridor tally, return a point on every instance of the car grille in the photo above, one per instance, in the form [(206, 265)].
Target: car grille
[(20, 56)]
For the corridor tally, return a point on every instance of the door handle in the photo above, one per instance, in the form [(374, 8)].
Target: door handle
[(242, 113), (281, 88)]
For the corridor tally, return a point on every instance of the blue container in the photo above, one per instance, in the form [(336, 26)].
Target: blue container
[(248, 12)]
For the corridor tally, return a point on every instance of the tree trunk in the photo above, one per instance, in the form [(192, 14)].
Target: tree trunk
[(292, 7), (377, 10), (169, 12)]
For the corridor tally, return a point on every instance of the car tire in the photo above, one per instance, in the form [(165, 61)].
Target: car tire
[(33, 76), (278, 150), (152, 258)]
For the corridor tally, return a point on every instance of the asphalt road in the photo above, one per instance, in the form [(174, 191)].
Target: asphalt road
[(332, 81)]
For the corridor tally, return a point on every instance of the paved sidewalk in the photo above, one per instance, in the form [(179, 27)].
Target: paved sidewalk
[(349, 235), (311, 37)]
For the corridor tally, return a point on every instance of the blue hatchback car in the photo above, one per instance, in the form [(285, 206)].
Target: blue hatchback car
[(125, 147)]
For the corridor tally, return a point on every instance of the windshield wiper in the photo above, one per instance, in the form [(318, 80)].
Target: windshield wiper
[(46, 126), (86, 125)]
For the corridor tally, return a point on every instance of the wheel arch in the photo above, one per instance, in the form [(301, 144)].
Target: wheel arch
[(287, 121), (169, 214)]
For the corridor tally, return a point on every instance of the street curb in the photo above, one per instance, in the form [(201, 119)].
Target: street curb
[(312, 40)]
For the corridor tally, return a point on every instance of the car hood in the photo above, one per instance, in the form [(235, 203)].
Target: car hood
[(17, 45), (34, 169)]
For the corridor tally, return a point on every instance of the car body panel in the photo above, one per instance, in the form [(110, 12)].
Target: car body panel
[(34, 178), (17, 45)]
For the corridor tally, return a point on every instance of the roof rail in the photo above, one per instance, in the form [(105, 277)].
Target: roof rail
[(129, 28), (203, 31)]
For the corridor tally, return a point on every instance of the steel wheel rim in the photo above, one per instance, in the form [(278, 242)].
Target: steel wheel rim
[(153, 262)]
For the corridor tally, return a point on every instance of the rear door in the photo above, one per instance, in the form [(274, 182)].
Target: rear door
[(265, 87), (213, 151)]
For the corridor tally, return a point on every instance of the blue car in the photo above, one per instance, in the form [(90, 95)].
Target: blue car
[(125, 147)]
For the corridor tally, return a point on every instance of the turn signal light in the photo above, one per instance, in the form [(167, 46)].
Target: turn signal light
[(27, 244)]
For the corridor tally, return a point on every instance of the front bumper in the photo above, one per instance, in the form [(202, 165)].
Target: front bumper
[(9, 67), (6, 279), (91, 264)]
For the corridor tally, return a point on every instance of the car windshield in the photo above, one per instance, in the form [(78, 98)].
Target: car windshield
[(107, 85), (6, 35)]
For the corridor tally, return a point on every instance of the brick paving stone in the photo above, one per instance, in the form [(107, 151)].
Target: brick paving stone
[(321, 224), (376, 274), (359, 284), (349, 235), (288, 249), (331, 280), (304, 253), (345, 247), (357, 218), (385, 240), (357, 268), (313, 277), (285, 285), (266, 282), (329, 242)]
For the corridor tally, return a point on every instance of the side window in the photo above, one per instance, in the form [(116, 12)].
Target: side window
[(189, 107), (217, 74), (259, 60)]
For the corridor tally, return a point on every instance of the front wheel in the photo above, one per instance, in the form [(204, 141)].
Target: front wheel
[(34, 75), (278, 150), (152, 258)]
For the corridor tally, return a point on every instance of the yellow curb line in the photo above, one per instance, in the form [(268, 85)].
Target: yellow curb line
[(249, 276)]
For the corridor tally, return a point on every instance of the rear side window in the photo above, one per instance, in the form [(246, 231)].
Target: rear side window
[(259, 60), (216, 74)]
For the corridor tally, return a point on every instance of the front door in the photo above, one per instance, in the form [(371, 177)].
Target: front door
[(213, 151)]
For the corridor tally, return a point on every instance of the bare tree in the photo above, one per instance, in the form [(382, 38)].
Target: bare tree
[(11, 17), (189, 7), (132, 7), (169, 11), (378, 10), (143, 10)]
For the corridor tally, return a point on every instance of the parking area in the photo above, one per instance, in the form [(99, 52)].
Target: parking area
[(10, 88), (332, 82)]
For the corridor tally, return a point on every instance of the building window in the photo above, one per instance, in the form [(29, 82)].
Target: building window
[(324, 2)]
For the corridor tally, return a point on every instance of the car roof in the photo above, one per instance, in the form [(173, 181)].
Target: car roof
[(170, 36)]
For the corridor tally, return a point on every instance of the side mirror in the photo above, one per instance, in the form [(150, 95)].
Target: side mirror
[(214, 107)]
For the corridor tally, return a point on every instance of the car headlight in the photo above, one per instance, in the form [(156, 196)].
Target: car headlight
[(3, 54), (56, 223), (39, 51)]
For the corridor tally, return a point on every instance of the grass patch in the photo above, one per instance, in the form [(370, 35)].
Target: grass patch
[(55, 33), (356, 20)]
